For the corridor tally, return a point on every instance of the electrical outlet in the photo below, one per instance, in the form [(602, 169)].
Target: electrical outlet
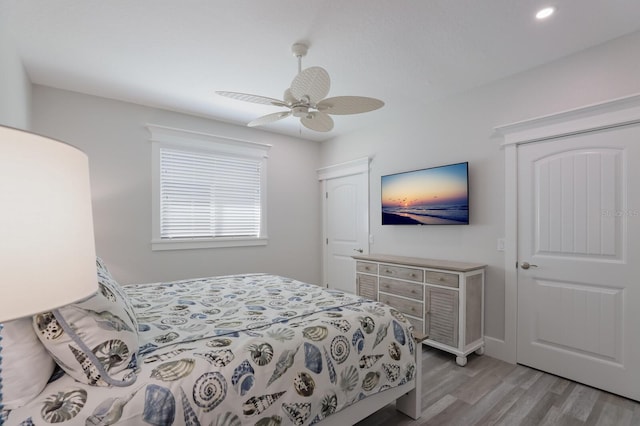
[(500, 244)]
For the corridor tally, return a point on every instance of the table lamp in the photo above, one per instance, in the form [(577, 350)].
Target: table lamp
[(47, 249)]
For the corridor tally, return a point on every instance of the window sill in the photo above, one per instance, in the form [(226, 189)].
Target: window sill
[(200, 243)]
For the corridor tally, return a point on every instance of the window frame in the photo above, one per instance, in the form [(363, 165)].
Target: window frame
[(190, 141)]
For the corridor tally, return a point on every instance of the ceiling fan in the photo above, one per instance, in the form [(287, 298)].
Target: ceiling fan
[(305, 99)]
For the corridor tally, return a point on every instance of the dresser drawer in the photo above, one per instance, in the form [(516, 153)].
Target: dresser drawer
[(367, 286), (409, 307), (402, 288), (367, 267), (402, 273), (442, 278)]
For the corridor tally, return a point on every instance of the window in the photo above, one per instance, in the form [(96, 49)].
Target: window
[(208, 191)]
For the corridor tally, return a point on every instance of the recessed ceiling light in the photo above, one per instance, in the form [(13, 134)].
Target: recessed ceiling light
[(545, 13)]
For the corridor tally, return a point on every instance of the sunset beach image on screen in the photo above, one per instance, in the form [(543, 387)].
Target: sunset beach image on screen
[(432, 196)]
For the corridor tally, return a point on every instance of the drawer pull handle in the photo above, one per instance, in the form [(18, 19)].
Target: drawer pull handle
[(388, 271), (441, 279), (413, 275)]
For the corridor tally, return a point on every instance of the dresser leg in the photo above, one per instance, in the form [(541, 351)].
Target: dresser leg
[(461, 361), (480, 350)]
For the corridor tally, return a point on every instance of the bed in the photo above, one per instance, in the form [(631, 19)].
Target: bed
[(246, 349)]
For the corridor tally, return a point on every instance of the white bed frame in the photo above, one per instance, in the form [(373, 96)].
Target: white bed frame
[(408, 398)]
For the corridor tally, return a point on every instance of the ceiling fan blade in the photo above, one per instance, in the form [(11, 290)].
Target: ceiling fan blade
[(288, 97), (269, 118), (318, 121), (343, 105), (252, 98), (313, 82)]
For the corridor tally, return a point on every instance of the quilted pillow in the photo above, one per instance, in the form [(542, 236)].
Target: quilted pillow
[(95, 340), (26, 364)]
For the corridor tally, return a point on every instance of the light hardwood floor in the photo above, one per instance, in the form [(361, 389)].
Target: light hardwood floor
[(488, 391)]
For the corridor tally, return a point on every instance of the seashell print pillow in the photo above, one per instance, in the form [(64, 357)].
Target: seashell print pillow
[(105, 275), (95, 340)]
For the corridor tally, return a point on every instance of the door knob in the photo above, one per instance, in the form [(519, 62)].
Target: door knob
[(527, 265), (358, 250)]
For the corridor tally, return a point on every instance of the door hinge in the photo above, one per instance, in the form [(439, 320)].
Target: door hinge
[(327, 241), (516, 264), (326, 195)]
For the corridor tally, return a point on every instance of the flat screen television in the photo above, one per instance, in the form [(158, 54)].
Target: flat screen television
[(432, 196)]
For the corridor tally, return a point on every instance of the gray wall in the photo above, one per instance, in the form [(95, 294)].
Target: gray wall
[(453, 130), (15, 87), (113, 135), (460, 129)]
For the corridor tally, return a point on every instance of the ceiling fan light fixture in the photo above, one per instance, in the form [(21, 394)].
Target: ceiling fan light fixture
[(300, 111)]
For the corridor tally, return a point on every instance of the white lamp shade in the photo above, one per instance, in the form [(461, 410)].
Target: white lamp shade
[(47, 249)]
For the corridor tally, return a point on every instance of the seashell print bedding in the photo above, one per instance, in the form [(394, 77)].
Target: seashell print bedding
[(240, 350)]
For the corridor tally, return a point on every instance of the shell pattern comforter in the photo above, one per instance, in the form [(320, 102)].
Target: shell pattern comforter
[(241, 350)]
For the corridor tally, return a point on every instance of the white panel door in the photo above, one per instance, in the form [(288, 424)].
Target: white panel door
[(578, 229), (347, 221)]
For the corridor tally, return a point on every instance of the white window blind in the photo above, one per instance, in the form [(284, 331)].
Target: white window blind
[(208, 191), (208, 195)]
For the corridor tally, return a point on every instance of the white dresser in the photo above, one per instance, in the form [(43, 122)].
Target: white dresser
[(442, 299)]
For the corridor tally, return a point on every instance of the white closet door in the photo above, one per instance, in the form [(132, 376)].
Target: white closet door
[(347, 228), (579, 233)]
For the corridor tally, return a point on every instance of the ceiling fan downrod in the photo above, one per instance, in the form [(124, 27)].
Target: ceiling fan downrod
[(299, 50)]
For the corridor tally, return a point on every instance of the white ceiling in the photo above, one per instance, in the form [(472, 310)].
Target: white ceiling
[(174, 54)]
